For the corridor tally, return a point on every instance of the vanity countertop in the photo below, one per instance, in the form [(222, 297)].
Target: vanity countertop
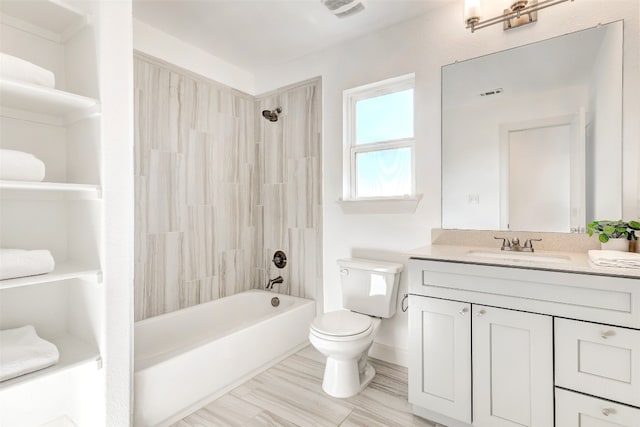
[(567, 262)]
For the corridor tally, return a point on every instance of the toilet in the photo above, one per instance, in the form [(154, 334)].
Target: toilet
[(369, 293)]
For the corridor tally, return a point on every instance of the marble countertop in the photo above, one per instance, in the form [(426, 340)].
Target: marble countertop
[(568, 262)]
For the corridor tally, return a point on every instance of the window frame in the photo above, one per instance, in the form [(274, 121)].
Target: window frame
[(351, 149)]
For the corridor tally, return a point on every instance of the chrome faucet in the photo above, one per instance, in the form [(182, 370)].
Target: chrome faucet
[(528, 246), (514, 244), (278, 280)]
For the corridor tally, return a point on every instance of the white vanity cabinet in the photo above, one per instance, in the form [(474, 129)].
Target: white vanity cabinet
[(494, 346)]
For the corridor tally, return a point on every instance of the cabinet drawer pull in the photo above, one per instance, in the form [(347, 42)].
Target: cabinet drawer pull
[(608, 411), (464, 310), (607, 334), (480, 313)]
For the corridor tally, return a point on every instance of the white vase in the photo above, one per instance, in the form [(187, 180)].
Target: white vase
[(620, 244)]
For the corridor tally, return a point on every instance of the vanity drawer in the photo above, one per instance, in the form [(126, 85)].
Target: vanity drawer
[(576, 410), (598, 359)]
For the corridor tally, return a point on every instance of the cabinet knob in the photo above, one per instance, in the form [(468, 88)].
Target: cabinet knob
[(607, 334), (464, 310), (608, 411), (480, 313)]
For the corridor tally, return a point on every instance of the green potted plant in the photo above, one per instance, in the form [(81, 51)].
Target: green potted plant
[(613, 235), (634, 231)]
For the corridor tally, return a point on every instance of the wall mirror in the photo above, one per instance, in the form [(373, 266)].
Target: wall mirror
[(532, 136)]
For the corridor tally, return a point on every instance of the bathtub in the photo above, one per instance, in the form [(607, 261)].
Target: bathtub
[(187, 358)]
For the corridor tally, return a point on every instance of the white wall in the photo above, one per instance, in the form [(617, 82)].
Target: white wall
[(156, 43), (423, 46)]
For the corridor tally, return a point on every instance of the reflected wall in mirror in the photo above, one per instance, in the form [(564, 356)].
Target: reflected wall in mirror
[(532, 136)]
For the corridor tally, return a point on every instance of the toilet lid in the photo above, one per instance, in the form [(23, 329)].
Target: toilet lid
[(341, 323)]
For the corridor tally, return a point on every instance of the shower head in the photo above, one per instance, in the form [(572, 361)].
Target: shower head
[(272, 115)]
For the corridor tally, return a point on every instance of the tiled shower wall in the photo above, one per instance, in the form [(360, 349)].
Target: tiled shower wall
[(216, 186), (290, 199)]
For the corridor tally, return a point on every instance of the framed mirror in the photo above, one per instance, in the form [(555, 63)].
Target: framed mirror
[(532, 136)]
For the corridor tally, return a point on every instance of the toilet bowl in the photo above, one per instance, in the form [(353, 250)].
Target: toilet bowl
[(369, 291), (344, 338)]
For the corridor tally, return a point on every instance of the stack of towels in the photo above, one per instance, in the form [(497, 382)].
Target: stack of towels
[(15, 68), (615, 259), (20, 263), (20, 166), (16, 165), (22, 351)]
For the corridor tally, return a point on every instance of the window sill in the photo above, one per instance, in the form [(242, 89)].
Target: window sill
[(401, 205)]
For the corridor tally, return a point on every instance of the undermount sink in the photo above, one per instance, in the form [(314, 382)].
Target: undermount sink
[(519, 256)]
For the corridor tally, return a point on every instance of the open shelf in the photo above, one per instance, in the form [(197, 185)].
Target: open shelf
[(63, 271), (50, 19), (73, 353), (16, 95), (88, 190)]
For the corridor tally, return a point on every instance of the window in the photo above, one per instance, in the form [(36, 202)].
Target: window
[(379, 140)]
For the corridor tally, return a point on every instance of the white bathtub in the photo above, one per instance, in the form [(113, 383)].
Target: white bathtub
[(189, 357)]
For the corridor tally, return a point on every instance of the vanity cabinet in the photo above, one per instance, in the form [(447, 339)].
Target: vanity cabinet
[(509, 353), (484, 341)]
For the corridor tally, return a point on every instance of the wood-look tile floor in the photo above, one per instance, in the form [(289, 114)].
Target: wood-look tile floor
[(290, 394)]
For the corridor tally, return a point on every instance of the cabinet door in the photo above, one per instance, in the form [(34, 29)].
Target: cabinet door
[(578, 410), (512, 368), (440, 356)]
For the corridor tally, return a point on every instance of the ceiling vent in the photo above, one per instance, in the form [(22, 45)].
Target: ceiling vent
[(497, 91), (343, 8)]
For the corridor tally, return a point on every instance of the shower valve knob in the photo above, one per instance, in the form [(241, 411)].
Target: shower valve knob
[(279, 259)]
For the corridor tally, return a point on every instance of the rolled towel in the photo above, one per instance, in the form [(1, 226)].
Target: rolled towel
[(615, 258), (22, 351), (15, 68), (20, 166), (20, 263)]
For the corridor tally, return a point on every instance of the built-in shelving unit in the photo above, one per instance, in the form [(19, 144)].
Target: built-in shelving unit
[(65, 213)]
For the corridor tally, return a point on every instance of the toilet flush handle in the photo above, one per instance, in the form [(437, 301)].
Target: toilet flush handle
[(344, 271)]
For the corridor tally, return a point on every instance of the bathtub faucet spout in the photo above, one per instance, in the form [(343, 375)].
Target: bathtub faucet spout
[(275, 281)]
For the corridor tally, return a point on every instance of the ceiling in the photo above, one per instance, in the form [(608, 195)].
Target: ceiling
[(255, 33)]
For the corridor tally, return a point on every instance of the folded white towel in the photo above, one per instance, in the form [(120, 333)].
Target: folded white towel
[(20, 263), (15, 68), (615, 258), (20, 166), (22, 351)]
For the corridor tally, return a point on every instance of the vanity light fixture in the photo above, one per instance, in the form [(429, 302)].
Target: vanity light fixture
[(520, 12)]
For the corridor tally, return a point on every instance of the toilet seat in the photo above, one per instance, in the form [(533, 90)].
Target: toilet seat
[(341, 325)]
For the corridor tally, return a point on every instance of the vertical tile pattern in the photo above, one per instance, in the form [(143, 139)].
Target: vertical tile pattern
[(219, 189), (194, 168), (289, 160)]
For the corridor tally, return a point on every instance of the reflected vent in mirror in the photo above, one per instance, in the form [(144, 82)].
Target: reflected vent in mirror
[(492, 92)]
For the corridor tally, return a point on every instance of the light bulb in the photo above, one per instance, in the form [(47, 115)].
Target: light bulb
[(472, 11)]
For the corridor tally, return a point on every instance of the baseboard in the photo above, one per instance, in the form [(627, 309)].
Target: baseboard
[(387, 353)]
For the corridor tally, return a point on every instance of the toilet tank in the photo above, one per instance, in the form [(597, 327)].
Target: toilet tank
[(370, 287)]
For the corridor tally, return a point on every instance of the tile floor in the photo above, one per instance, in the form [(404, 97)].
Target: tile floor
[(290, 394)]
